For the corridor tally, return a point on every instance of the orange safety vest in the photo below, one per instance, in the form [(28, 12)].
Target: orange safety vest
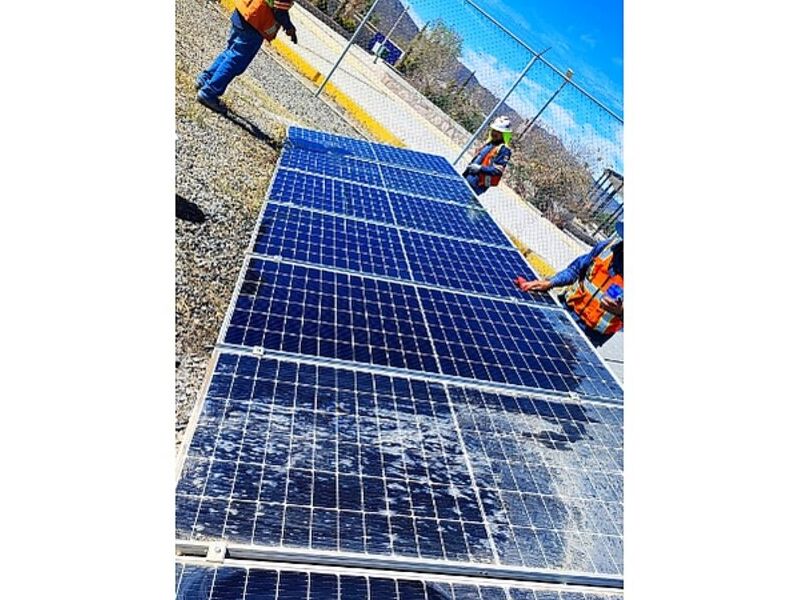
[(584, 297), (258, 13), (490, 180)]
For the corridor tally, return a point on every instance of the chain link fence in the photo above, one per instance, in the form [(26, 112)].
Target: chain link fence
[(434, 74)]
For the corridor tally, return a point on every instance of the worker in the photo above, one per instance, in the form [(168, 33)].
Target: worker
[(595, 300), (252, 21), (489, 164)]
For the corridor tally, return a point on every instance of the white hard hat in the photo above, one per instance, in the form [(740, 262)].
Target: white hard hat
[(501, 124)]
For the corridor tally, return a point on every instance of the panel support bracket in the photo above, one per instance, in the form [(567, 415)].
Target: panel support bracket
[(216, 552)]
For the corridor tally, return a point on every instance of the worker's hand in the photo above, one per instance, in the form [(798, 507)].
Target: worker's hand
[(292, 33), (612, 306), (541, 285), (473, 168)]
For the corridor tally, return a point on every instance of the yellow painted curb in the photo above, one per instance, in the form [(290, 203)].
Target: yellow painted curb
[(356, 111), (540, 265)]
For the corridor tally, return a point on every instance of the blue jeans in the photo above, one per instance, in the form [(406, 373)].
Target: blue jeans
[(244, 40)]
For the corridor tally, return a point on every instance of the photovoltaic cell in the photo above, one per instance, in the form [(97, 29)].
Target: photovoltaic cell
[(314, 457), (300, 456), (329, 240), (465, 222), (331, 195), (451, 263), (197, 582), (430, 186), (330, 165), (415, 160), (309, 311), (322, 141), (518, 344), (305, 310)]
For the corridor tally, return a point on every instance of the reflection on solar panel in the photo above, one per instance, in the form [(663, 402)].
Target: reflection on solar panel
[(446, 262), (332, 241), (465, 222), (330, 165), (200, 582), (414, 160), (430, 186), (314, 457), (304, 310), (382, 395), (331, 195), (329, 142)]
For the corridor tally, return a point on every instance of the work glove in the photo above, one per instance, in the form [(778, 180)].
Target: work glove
[(292, 33), (473, 168)]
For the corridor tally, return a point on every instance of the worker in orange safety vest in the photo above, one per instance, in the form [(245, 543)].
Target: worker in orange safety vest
[(595, 300), (489, 164), (252, 21)]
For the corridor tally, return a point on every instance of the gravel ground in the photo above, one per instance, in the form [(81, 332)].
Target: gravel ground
[(223, 167)]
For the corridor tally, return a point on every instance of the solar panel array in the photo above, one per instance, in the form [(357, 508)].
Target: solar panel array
[(382, 392), (202, 582)]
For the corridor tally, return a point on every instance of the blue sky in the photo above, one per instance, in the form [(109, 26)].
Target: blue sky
[(584, 36)]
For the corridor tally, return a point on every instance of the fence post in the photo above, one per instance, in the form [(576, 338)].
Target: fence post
[(347, 47), (386, 37), (497, 106), (546, 104)]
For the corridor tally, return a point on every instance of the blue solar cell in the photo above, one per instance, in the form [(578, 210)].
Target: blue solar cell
[(322, 141), (333, 241), (331, 195), (515, 343), (330, 165), (373, 465), (430, 186), (450, 263), (415, 160), (465, 222), (265, 583), (304, 310), (376, 464), (308, 311)]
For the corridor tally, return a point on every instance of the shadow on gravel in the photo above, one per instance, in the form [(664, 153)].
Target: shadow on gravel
[(253, 129), (188, 211)]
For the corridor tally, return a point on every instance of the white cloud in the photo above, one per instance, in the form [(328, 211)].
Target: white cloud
[(588, 40)]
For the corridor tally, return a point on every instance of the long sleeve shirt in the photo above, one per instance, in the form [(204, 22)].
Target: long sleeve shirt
[(499, 163), (577, 268)]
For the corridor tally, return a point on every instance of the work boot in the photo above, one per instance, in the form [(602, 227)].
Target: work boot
[(214, 104)]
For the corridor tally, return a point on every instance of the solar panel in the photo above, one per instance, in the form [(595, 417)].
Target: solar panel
[(304, 310), (414, 160), (382, 394), (202, 582), (330, 165), (319, 458), (329, 142), (514, 343), (331, 195), (451, 263), (444, 218), (430, 186), (333, 241)]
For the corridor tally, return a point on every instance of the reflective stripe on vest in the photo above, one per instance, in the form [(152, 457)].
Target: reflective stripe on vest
[(259, 14), (491, 180), (585, 296)]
